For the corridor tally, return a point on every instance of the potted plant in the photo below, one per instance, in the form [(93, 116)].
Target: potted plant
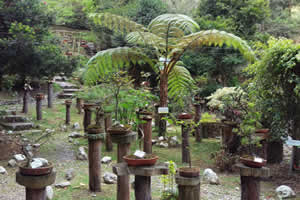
[(34, 166), (140, 158), (190, 171)]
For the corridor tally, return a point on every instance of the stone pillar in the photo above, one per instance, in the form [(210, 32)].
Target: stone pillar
[(185, 131), (123, 141), (50, 94), (250, 181), (87, 118), (107, 123), (95, 135), (39, 97), (35, 185), (79, 105), (68, 107), (198, 134), (25, 101), (188, 187)]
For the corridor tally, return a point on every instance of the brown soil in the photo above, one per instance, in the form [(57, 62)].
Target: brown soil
[(9, 145)]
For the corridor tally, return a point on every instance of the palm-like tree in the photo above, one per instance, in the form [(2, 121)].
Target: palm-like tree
[(168, 36)]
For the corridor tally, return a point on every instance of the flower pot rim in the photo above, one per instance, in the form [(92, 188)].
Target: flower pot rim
[(140, 162), (35, 172)]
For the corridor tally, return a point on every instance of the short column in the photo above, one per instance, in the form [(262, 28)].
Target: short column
[(250, 181), (188, 188), (123, 141), (39, 97), (35, 185), (68, 107), (198, 134), (87, 118), (185, 131), (95, 135), (50, 93), (107, 124)]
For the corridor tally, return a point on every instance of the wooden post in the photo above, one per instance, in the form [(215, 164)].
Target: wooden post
[(156, 116), (35, 185), (94, 152), (140, 125), (142, 177), (123, 141), (79, 105), (147, 128), (39, 97), (68, 106), (25, 101), (188, 188), (185, 151), (107, 123), (250, 181), (87, 118), (50, 93), (198, 133)]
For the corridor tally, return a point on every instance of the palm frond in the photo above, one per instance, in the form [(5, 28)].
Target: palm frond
[(112, 60), (116, 23), (180, 82), (216, 38), (172, 25)]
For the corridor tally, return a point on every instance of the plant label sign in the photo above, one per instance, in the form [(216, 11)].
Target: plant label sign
[(163, 110)]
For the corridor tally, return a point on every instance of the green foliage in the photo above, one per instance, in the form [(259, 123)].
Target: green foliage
[(244, 14), (275, 84), (28, 49), (169, 188), (148, 10), (207, 118)]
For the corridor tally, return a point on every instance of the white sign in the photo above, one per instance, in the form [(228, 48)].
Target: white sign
[(163, 110)]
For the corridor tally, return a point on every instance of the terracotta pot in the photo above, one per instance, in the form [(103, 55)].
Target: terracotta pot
[(94, 129), (185, 116), (68, 102), (118, 131), (88, 105), (40, 96), (249, 161), (131, 161), (35, 172), (189, 172), (262, 130)]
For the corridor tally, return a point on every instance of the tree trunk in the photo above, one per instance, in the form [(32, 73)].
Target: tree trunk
[(250, 188), (163, 94), (142, 187), (50, 94), (108, 142), (35, 194), (95, 165), (25, 102), (185, 146)]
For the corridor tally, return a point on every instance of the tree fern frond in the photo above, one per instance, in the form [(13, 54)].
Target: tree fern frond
[(147, 39), (179, 82), (177, 24), (112, 60), (116, 23), (216, 38)]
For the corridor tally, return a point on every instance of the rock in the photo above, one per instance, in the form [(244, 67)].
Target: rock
[(163, 145), (25, 140), (28, 148), (110, 178), (49, 193), (70, 140), (154, 142), (12, 163), (3, 170), (81, 154), (36, 145), (161, 138), (106, 160), (19, 157), (63, 184), (70, 174), (63, 128), (211, 177), (38, 162), (284, 192), (75, 135), (49, 130), (139, 154), (9, 132), (174, 141), (76, 126)]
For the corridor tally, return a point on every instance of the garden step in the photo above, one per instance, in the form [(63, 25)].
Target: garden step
[(65, 96), (32, 131), (17, 126), (13, 118), (72, 90), (67, 85), (8, 112)]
